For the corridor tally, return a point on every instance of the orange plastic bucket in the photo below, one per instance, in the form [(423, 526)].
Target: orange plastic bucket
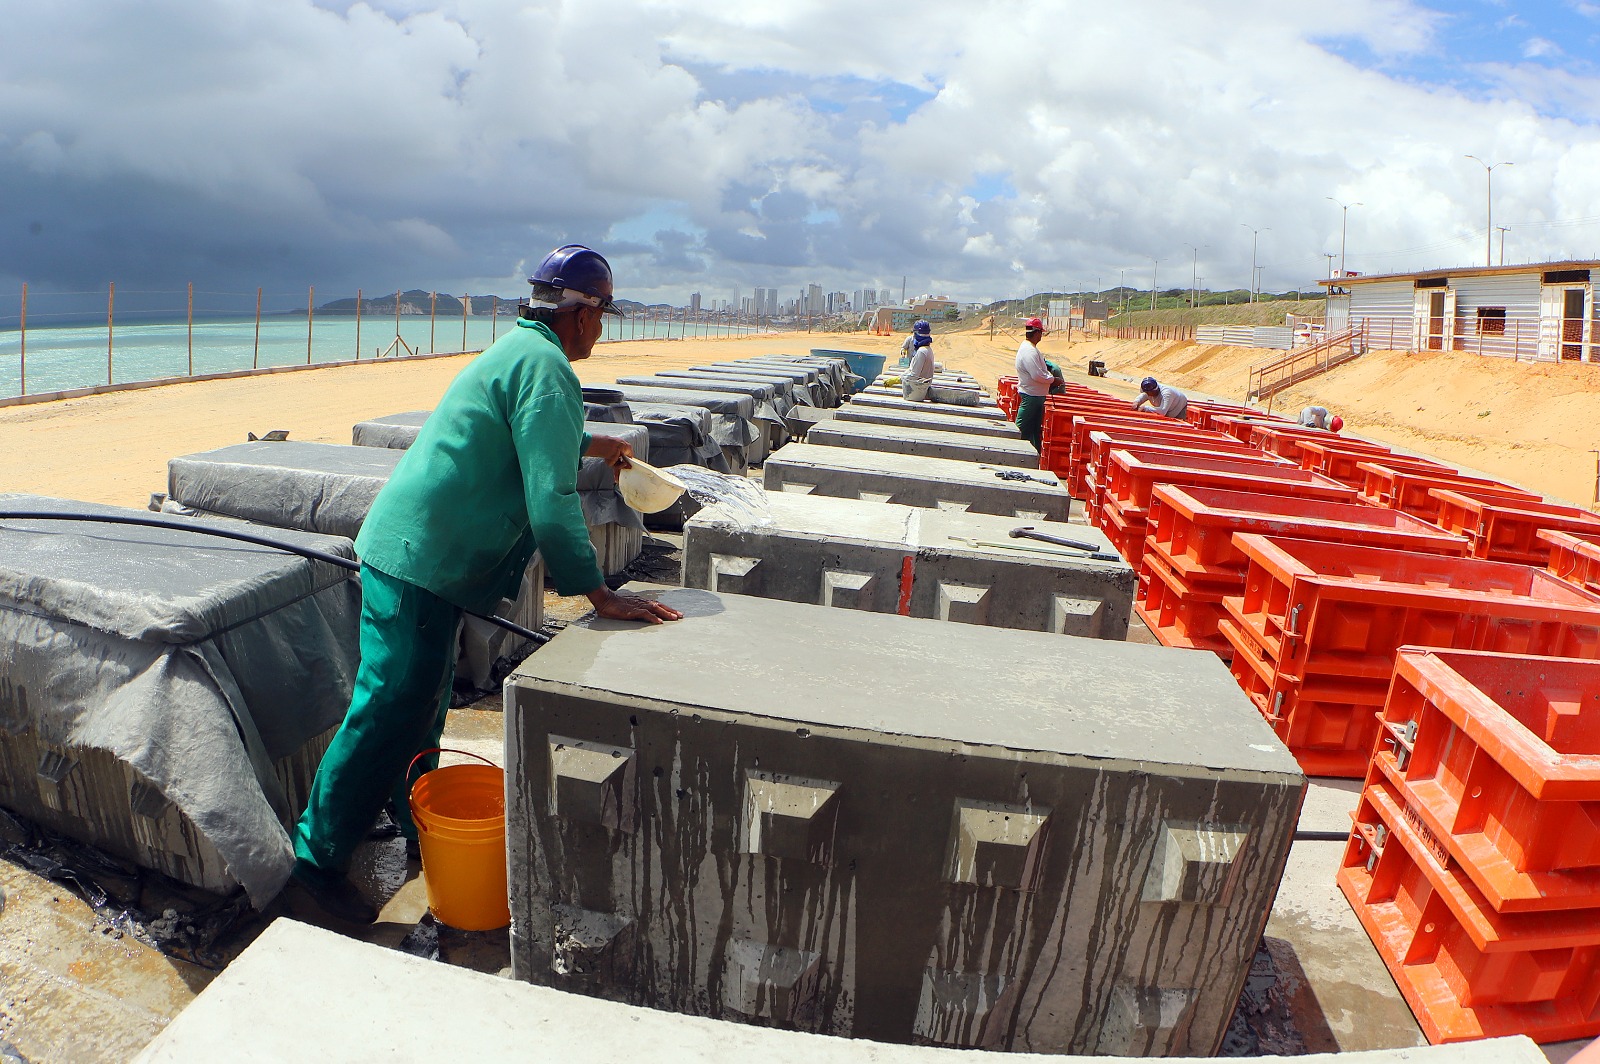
[(460, 813)]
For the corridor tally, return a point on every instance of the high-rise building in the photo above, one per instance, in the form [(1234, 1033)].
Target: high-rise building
[(869, 298), (694, 303), (772, 302), (815, 307)]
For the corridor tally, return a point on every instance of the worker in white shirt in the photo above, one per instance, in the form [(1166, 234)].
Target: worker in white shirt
[(918, 375), (1317, 417), (1034, 382), (1162, 399)]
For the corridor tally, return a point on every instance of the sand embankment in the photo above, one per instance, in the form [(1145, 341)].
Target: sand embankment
[(1529, 424)]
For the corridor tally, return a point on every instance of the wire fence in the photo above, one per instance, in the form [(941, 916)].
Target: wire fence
[(59, 341)]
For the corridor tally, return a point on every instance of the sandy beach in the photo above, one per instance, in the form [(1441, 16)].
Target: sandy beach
[(1529, 424)]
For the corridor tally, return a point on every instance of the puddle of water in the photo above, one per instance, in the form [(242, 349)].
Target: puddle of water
[(740, 497)]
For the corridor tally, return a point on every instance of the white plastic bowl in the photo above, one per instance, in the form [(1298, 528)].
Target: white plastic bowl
[(648, 489)]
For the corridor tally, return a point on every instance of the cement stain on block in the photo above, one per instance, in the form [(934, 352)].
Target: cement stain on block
[(887, 828), (936, 483), (925, 443), (888, 558)]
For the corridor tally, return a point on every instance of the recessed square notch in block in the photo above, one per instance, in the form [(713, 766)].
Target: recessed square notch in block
[(995, 845), (591, 782), (1195, 863), (789, 817)]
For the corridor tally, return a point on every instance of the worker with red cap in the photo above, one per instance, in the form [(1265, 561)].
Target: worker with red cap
[(1036, 379), (492, 477), (1317, 417)]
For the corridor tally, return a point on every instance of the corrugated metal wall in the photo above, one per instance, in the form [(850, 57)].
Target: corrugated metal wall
[(1386, 307), (1517, 295)]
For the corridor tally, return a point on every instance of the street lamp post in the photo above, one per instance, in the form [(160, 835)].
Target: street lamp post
[(1155, 264), (1488, 236), (1344, 218), (1254, 233), (1194, 276)]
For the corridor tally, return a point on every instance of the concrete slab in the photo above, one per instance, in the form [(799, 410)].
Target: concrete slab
[(340, 995), (930, 417), (889, 828), (771, 406), (926, 443), (886, 558), (733, 418), (897, 402), (879, 476)]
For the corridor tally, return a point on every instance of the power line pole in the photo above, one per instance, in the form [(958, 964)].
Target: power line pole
[(1329, 256), (1154, 266), (1502, 229), (1194, 276)]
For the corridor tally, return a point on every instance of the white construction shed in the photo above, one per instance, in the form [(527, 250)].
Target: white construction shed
[(1538, 312)]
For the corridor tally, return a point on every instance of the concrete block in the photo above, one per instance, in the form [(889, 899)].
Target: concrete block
[(851, 473), (885, 828), (887, 558), (925, 443), (950, 393), (870, 401), (930, 417), (338, 994)]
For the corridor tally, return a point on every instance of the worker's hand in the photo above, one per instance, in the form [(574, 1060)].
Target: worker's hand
[(620, 607), (615, 452)]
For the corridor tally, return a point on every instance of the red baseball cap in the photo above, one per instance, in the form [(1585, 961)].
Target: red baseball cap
[(1033, 323)]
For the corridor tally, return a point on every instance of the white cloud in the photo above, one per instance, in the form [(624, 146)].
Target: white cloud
[(423, 143), (1539, 48)]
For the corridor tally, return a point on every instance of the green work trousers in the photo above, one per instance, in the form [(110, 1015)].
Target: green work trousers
[(1030, 418), (402, 691)]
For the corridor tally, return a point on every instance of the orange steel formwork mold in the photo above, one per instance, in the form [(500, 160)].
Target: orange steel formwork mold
[(1005, 391), (1136, 430), (1191, 534), (1240, 426), (1466, 971), (1408, 487), (1204, 415), (1507, 530), (1317, 628), (1063, 448), (1499, 755), (1285, 439), (1339, 459), (1130, 480), (1097, 456), (1576, 559)]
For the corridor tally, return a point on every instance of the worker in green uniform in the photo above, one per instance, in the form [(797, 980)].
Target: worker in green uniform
[(492, 477)]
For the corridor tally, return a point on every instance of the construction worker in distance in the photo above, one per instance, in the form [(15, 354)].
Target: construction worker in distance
[(1162, 399), (918, 375), (1035, 380), (1317, 417), (492, 477)]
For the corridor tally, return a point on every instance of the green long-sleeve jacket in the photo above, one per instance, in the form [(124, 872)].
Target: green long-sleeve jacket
[(492, 477)]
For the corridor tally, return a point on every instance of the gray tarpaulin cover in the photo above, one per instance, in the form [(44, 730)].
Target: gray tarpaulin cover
[(781, 391), (768, 405), (732, 420), (400, 430), (837, 370), (196, 661), (318, 487), (808, 380), (802, 385), (680, 435)]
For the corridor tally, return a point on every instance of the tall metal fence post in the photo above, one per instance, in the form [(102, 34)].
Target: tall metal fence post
[(433, 316), (255, 358), (466, 306), (24, 337), (401, 344), (111, 302), (191, 328), (494, 318), (311, 302), (358, 325)]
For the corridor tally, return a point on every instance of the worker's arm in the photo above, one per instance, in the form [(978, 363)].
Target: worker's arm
[(550, 443), (1144, 398), (616, 453)]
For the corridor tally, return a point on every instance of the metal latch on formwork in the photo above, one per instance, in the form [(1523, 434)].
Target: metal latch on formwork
[(1375, 836), (1403, 739), (1276, 716)]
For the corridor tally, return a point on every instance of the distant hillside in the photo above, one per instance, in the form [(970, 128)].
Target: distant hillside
[(443, 305)]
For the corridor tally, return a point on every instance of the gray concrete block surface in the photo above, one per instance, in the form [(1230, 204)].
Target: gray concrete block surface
[(890, 828), (881, 476), (887, 558), (925, 443)]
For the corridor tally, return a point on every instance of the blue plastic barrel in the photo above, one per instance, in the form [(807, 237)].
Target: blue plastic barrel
[(862, 364)]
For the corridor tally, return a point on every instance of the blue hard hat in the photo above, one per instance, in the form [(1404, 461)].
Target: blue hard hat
[(1149, 384), (922, 328), (581, 274)]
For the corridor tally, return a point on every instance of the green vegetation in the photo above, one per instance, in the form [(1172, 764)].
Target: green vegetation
[(1131, 307)]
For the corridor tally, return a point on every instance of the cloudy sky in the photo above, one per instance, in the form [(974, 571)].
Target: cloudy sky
[(980, 149)]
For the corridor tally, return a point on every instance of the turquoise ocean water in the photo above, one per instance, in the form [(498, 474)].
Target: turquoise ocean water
[(60, 356)]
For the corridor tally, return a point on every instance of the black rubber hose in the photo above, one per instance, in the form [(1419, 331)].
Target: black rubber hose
[(204, 529), (1321, 836)]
